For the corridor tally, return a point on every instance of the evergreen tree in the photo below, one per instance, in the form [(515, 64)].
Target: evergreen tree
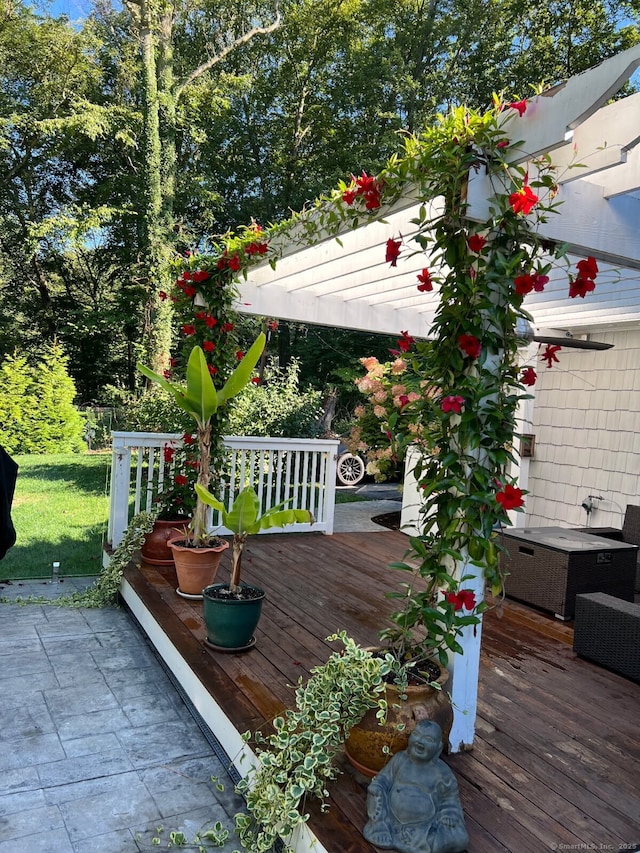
[(59, 426)]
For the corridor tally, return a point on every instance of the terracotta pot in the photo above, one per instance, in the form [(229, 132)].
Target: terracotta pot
[(155, 548), (364, 746), (195, 567)]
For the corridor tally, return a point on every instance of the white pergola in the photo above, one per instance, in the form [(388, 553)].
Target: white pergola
[(347, 283)]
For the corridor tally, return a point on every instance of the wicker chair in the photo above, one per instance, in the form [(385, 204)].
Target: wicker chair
[(607, 631), (630, 533)]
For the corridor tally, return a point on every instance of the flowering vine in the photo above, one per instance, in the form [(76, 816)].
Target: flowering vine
[(462, 387)]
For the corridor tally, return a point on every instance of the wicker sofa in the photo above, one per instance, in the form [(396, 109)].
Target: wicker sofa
[(607, 631), (630, 533)]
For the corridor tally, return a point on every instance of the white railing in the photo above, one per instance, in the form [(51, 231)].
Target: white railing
[(300, 471)]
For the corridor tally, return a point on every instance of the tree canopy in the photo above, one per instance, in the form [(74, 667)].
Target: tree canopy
[(151, 129)]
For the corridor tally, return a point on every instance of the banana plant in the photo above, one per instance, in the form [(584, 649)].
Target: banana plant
[(244, 518), (200, 399)]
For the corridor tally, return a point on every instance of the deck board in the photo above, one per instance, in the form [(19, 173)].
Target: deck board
[(557, 754)]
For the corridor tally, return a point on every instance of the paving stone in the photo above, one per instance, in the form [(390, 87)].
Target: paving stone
[(22, 801), (110, 660), (149, 709), (27, 720), (190, 823), (83, 767), (148, 676), (89, 788), (64, 622), (91, 744), (16, 629), (121, 841), (109, 811), (20, 779), (30, 751), (24, 685), (161, 743), (65, 702), (25, 663), (29, 822), (80, 725), (54, 841)]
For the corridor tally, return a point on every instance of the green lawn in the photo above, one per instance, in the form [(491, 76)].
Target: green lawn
[(60, 511)]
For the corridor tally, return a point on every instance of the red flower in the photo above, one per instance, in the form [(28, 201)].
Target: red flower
[(425, 279), (524, 284), (476, 243), (529, 376), (180, 480), (504, 143), (367, 187), (227, 327), (257, 248), (524, 200), (208, 346), (210, 321), (403, 400), (463, 598), (189, 329), (212, 369), (530, 281), (234, 263), (162, 295), (272, 325), (188, 438), (189, 290), (200, 315), (588, 268), (521, 106), (584, 282), (172, 362), (239, 354), (549, 354), (199, 275), (167, 374), (470, 345), (393, 251), (452, 404), (255, 380), (510, 497), (404, 343)]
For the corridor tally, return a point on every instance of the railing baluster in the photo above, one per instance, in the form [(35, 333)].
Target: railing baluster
[(300, 471)]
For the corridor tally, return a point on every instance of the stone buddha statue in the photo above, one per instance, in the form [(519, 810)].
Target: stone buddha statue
[(413, 804)]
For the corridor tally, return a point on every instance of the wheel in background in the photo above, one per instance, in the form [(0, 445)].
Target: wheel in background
[(350, 470)]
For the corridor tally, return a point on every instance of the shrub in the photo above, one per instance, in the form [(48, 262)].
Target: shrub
[(37, 414), (276, 407)]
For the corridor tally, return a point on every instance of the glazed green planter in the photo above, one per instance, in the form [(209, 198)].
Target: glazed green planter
[(231, 622)]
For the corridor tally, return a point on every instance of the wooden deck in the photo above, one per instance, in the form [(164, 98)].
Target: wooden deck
[(556, 761)]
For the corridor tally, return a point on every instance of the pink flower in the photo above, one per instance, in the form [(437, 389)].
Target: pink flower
[(452, 404)]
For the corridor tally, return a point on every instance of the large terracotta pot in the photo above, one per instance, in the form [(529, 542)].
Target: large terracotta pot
[(155, 548), (364, 746), (196, 568)]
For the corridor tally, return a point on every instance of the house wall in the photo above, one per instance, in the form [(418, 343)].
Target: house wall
[(586, 422)]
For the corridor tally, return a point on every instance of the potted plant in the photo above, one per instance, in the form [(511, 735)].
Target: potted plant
[(197, 554), (298, 759), (175, 501), (232, 611)]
